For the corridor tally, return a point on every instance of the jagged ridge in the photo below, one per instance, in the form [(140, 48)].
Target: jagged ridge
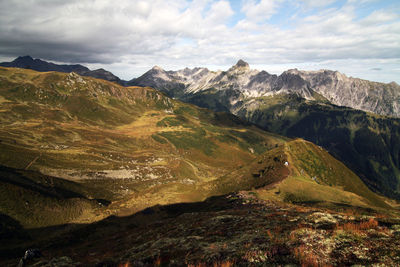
[(379, 98)]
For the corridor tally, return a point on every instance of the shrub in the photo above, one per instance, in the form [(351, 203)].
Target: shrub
[(358, 227), (306, 257)]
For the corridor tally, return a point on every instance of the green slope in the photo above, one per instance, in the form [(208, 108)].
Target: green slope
[(36, 200), (366, 143), (133, 148), (301, 172)]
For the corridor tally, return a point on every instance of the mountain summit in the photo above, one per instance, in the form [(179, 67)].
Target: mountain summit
[(241, 64), (240, 83)]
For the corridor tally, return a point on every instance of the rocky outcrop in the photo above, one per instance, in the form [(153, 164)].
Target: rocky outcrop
[(102, 74), (379, 98)]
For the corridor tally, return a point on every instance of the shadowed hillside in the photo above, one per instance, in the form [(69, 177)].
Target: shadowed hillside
[(229, 230)]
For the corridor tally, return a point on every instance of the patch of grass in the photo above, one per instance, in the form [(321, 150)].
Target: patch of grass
[(301, 190), (188, 140), (358, 227), (307, 257), (250, 139), (39, 200), (186, 109), (323, 169), (158, 139), (173, 121), (227, 138)]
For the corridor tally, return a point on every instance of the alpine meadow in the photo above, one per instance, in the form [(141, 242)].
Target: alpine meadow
[(136, 133)]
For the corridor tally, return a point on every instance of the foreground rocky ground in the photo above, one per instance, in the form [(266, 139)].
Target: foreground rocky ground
[(231, 230)]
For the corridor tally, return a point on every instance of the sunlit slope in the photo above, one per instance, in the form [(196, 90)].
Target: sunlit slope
[(367, 143), (132, 146), (299, 171), (126, 149), (314, 176)]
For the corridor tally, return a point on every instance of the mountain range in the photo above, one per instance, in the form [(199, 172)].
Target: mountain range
[(240, 84), (27, 62), (337, 88), (97, 174), (324, 107), (137, 143)]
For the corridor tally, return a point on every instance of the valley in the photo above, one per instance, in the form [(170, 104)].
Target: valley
[(142, 146), (137, 134), (87, 157)]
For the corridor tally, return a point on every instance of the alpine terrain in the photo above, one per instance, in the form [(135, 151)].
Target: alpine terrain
[(96, 174), (354, 119)]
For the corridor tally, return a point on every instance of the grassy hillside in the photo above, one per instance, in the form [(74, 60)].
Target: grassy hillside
[(318, 178), (132, 146), (36, 200), (75, 151), (230, 230), (80, 149), (367, 143), (301, 172)]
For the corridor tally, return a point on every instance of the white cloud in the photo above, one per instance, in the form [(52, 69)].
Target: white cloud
[(380, 16), (259, 11), (220, 12), (132, 36), (317, 3)]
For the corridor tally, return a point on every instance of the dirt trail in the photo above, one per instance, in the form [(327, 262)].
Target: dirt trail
[(33, 161), (292, 169)]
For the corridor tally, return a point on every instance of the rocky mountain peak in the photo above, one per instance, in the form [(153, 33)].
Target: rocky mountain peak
[(157, 68), (241, 64), (292, 71), (240, 83), (23, 58)]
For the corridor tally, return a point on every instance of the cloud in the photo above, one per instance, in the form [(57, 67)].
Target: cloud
[(220, 11), (260, 11), (317, 3), (131, 36), (380, 16)]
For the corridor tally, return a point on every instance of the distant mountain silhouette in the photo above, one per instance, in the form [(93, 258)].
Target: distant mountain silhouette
[(27, 62)]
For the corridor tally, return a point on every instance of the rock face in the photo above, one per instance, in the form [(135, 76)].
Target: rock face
[(27, 62), (379, 98), (102, 74), (241, 83)]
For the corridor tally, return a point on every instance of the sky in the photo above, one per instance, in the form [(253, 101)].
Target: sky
[(360, 38)]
